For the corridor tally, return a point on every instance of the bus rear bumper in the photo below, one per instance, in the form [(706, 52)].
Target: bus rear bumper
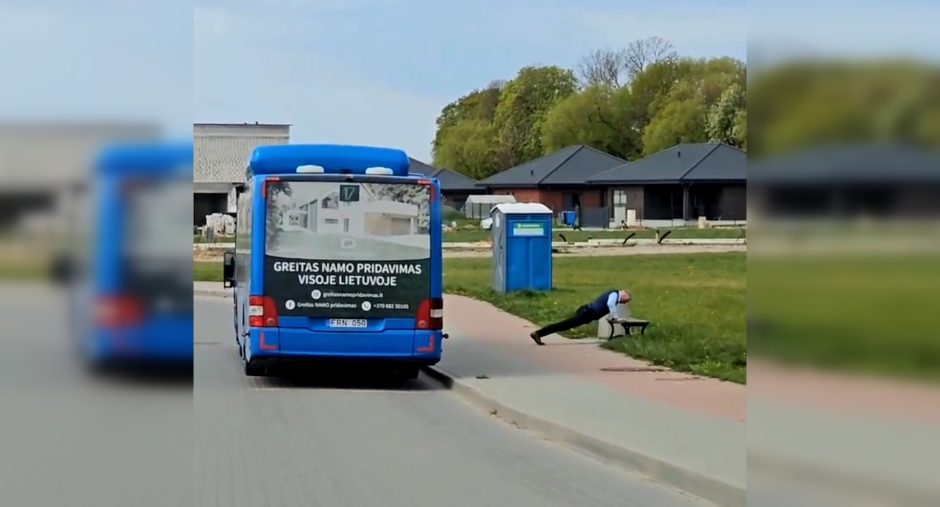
[(160, 340), (417, 347)]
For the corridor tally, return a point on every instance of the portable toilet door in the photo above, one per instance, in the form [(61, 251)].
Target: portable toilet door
[(522, 247), (497, 226)]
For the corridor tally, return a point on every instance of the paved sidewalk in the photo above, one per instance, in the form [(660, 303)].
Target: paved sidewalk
[(678, 429), (211, 289)]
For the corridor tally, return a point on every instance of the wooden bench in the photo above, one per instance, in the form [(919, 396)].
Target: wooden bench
[(627, 324)]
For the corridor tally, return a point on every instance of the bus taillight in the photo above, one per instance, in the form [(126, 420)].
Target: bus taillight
[(430, 314), (118, 311), (262, 312)]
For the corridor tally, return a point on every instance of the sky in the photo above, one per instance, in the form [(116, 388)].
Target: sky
[(98, 60), (379, 72), (858, 30)]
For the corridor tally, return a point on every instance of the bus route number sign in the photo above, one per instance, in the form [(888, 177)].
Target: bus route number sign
[(349, 193)]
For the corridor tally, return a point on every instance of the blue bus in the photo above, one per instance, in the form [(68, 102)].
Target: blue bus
[(130, 283), (337, 257)]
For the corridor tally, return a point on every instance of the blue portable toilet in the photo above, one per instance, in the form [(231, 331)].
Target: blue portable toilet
[(522, 247)]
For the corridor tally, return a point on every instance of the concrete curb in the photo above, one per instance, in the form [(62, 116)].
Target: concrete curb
[(212, 292), (688, 481)]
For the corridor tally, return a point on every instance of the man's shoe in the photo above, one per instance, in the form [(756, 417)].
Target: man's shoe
[(536, 338)]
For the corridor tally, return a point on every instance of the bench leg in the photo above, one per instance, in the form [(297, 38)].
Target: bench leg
[(626, 330), (610, 335)]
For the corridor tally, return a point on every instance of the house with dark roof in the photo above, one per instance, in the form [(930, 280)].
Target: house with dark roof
[(455, 187), (847, 181), (561, 182), (678, 185)]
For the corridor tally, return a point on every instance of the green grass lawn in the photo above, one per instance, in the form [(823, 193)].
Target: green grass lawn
[(207, 271), (869, 314), (23, 271), (696, 303), (474, 235)]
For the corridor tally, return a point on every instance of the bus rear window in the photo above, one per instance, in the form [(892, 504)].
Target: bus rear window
[(338, 221), (159, 211), (157, 246)]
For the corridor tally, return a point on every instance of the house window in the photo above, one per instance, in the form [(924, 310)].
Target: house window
[(571, 201), (620, 198), (345, 225), (617, 212), (331, 221)]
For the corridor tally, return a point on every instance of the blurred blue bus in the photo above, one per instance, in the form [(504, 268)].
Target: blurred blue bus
[(338, 256), (130, 284)]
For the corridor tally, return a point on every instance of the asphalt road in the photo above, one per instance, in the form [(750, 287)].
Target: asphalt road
[(70, 438), (345, 441)]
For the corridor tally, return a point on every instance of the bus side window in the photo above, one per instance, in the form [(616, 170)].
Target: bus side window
[(242, 238)]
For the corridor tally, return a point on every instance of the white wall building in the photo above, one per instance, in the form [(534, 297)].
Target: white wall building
[(44, 166), (325, 214), (221, 153)]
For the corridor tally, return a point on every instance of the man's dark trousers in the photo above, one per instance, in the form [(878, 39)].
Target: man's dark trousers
[(583, 315)]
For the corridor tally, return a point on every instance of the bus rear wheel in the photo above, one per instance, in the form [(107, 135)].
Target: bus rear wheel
[(408, 372), (254, 369)]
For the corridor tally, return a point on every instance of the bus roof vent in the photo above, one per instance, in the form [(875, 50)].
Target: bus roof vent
[(310, 169), (384, 171)]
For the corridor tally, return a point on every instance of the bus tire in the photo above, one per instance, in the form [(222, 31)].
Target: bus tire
[(253, 369), (408, 372)]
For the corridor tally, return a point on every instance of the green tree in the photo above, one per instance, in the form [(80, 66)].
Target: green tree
[(807, 104), (680, 97), (724, 118), (523, 105), (465, 140), (600, 116), (652, 85), (740, 128), (469, 147), (476, 105), (681, 121)]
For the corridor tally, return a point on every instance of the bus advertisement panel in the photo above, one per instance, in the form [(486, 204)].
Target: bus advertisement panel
[(348, 250)]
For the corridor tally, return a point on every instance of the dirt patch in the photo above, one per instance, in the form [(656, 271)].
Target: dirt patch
[(614, 251), (216, 255)]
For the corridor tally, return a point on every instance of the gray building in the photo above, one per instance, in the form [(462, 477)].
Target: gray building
[(676, 186), (847, 181), (221, 152), (561, 181), (45, 165)]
